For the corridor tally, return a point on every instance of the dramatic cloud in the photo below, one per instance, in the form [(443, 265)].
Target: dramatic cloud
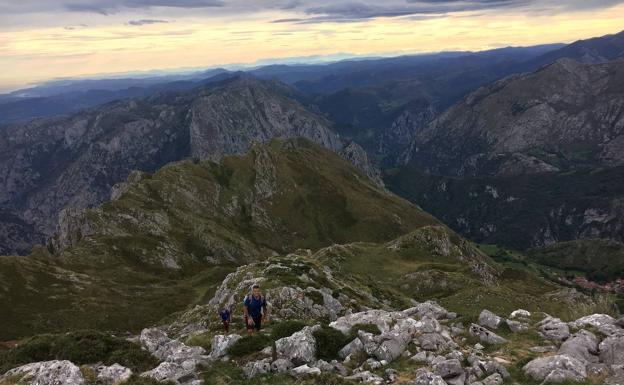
[(146, 22)]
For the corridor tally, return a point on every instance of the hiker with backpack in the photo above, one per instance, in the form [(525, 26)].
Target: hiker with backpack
[(255, 309), (226, 318)]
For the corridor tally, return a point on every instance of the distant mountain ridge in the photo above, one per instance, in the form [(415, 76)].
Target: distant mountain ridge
[(167, 239), (565, 116), (527, 161), (50, 164)]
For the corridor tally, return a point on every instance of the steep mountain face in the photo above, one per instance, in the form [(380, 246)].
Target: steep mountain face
[(47, 165), (527, 161), (565, 116), (168, 238)]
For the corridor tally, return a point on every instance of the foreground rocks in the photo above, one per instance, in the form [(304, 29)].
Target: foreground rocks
[(425, 335), (46, 373)]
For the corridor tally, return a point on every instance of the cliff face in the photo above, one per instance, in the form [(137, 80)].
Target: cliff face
[(565, 116), (51, 164), (528, 161)]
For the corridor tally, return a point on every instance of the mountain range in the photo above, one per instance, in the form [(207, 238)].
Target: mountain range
[(431, 220)]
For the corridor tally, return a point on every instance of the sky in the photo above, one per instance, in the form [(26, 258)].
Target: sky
[(49, 39)]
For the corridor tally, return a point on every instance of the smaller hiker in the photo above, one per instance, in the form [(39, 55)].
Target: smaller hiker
[(226, 318), (255, 309)]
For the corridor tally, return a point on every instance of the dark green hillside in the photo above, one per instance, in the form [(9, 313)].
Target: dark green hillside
[(172, 237)]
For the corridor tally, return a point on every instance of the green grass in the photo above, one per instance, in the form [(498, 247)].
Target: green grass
[(85, 347), (197, 216), (329, 341), (368, 328), (286, 328), (249, 344), (203, 340)]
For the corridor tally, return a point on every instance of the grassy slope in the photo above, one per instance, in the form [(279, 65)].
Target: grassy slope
[(205, 218), (524, 206), (600, 259)]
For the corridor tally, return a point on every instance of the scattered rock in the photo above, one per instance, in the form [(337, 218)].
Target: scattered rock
[(281, 365), (254, 368), (300, 348), (556, 368), (46, 373), (352, 347), (305, 370), (485, 335), (520, 313), (553, 329), (612, 350), (582, 345), (517, 326), (425, 377), (114, 374), (366, 377), (451, 372), (221, 344), (171, 371), (489, 319), (494, 379)]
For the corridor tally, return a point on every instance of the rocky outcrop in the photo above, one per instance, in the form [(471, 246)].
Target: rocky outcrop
[(489, 319), (356, 155), (563, 106), (300, 348), (112, 375), (46, 373), (83, 160), (478, 165)]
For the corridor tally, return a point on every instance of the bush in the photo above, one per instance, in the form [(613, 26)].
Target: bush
[(369, 328), (316, 297), (203, 340), (329, 341), (249, 344), (84, 347), (286, 329)]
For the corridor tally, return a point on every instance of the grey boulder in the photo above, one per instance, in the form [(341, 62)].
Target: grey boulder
[(451, 371), (300, 348), (556, 368), (221, 344), (425, 377), (612, 350), (46, 373), (485, 335), (490, 320), (114, 374), (582, 345), (281, 365), (171, 371), (254, 368), (553, 329)]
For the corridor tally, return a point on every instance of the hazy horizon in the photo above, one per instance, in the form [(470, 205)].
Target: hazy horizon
[(88, 38)]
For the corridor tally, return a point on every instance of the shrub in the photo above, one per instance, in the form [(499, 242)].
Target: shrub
[(329, 341), (286, 329), (316, 297), (204, 340), (369, 328), (84, 347), (249, 344)]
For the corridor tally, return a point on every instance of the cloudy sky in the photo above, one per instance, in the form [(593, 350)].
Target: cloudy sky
[(45, 39)]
